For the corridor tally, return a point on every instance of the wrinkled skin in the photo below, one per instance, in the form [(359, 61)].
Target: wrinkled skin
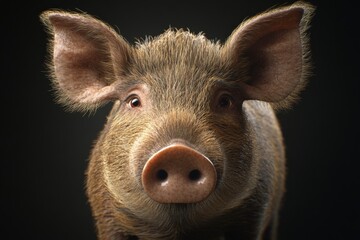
[(217, 99)]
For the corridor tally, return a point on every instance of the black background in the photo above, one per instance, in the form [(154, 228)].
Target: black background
[(46, 148)]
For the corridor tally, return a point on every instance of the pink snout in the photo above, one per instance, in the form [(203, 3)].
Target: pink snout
[(178, 174)]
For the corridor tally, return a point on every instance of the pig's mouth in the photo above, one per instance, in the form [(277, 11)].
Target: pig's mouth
[(185, 222)]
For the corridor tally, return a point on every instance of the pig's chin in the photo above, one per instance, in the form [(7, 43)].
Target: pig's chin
[(184, 221), (179, 215), (176, 213)]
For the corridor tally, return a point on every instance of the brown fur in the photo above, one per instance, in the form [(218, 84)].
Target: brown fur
[(180, 78)]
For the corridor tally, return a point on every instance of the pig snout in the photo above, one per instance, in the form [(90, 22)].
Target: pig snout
[(178, 174)]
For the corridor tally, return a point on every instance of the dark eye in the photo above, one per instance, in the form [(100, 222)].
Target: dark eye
[(225, 101), (134, 102)]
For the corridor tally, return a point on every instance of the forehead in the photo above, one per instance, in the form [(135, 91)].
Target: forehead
[(180, 68), (178, 54)]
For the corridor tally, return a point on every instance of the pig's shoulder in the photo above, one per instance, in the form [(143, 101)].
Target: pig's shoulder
[(262, 123), (260, 117), (257, 110)]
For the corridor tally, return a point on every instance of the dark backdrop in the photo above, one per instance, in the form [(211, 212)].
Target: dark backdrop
[(46, 149)]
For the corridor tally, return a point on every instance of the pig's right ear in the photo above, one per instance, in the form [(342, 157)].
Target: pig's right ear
[(88, 59), (269, 54)]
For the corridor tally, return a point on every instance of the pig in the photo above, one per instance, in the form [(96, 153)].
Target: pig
[(192, 147)]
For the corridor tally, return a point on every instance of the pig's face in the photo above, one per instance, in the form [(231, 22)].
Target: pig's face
[(177, 149), (173, 98)]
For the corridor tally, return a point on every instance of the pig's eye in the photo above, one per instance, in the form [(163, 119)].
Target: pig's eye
[(134, 101), (225, 101)]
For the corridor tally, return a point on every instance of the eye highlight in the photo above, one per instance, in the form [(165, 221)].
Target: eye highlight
[(134, 101)]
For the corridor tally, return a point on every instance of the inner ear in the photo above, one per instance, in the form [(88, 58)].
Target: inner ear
[(88, 59), (269, 54), (275, 65)]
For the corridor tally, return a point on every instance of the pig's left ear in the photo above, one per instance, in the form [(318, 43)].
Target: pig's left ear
[(269, 55), (88, 59)]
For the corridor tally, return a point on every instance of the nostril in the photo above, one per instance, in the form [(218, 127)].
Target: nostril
[(194, 175), (161, 175), (178, 174)]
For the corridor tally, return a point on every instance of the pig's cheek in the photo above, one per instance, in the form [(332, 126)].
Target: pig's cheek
[(117, 170), (115, 176)]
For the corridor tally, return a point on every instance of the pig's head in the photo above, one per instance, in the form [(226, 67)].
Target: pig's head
[(176, 148)]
